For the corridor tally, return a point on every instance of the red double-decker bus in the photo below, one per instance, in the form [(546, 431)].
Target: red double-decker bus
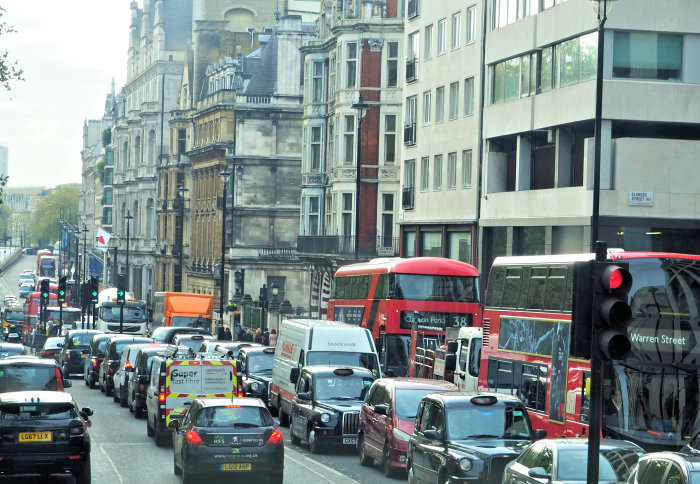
[(537, 339), (388, 295)]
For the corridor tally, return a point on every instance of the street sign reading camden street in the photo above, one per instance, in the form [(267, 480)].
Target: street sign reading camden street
[(429, 321)]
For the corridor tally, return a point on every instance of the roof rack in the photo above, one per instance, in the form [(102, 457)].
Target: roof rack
[(180, 352)]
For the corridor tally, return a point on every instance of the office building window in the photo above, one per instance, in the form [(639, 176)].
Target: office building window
[(456, 30), (392, 64), (387, 228), (409, 174), (460, 246), (427, 106), (424, 172), (437, 172), (351, 65), (349, 139), (440, 104), (578, 59), (427, 42), (648, 55), (451, 170), (467, 168), (442, 36), (431, 244), (413, 45), (454, 100), (389, 139), (469, 96), (471, 24)]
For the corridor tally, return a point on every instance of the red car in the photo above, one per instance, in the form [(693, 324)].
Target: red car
[(388, 417)]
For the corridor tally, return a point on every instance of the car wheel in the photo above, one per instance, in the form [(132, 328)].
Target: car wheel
[(295, 440), (365, 460), (91, 383), (84, 476), (188, 477), (386, 461), (313, 443), (411, 477), (149, 429), (161, 437), (176, 470), (115, 395), (122, 400), (138, 412), (130, 404), (276, 478), (284, 418)]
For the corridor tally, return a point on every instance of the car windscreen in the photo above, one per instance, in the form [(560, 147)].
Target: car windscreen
[(14, 315), (131, 315), (80, 340), (32, 411), (406, 400), (260, 362), (487, 421), (233, 416), (5, 352), (614, 464), (336, 387), (192, 322), (53, 342), (343, 358), (18, 378)]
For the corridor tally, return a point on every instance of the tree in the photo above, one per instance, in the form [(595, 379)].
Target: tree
[(9, 69), (62, 201)]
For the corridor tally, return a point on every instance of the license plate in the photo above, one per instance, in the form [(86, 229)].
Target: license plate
[(35, 436), (83, 356), (236, 467), (350, 440), (57, 355)]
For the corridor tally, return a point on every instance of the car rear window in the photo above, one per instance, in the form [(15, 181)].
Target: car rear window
[(234, 416), (24, 411), (26, 377), (80, 339), (4, 353)]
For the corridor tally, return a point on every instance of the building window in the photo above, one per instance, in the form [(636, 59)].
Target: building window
[(427, 42), (351, 65), (424, 172), (506, 79), (331, 144), (471, 24), (314, 214), (442, 36), (107, 196), (330, 213), (456, 29), (469, 96), (454, 100), (409, 130), (648, 55), (331, 76), (440, 104), (389, 139), (547, 78), (431, 244), (528, 75), (107, 216), (437, 172), (317, 81), (451, 170), (409, 174), (409, 244), (349, 138), (392, 64), (181, 141), (460, 246), (387, 220), (578, 60), (346, 220), (413, 8), (427, 107), (109, 176), (467, 168), (316, 148)]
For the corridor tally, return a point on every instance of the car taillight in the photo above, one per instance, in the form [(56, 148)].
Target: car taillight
[(275, 437), (68, 357), (128, 365), (161, 397), (193, 438), (77, 430), (59, 380), (94, 362), (142, 388), (46, 352), (111, 371)]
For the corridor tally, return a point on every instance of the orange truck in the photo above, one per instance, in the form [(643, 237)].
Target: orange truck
[(183, 309)]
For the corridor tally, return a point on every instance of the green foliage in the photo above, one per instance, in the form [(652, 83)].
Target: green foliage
[(9, 69), (106, 137), (100, 167), (45, 223), (3, 183)]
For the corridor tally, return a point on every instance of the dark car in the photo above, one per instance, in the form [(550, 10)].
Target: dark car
[(124, 372), (75, 350), (192, 341), (165, 334), (23, 373), (44, 433), (326, 408), (467, 437), (254, 366), (667, 467), (138, 382), (52, 347), (11, 349), (564, 461), (96, 354), (217, 437), (388, 417), (113, 354)]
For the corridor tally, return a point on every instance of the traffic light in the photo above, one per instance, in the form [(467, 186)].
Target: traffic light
[(613, 282), (62, 290), (94, 289), (121, 295), (45, 291)]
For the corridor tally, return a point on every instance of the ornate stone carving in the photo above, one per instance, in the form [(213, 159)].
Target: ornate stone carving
[(376, 45)]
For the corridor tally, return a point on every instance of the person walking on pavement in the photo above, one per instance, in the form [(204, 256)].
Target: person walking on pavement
[(258, 336), (273, 338), (227, 334), (247, 336)]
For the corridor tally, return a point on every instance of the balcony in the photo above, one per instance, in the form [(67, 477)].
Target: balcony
[(412, 70), (407, 198), (413, 9), (344, 245), (409, 134)]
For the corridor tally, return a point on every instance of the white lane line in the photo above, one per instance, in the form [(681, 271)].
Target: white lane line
[(116, 471), (316, 464)]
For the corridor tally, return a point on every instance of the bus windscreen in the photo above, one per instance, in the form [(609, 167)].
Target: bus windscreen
[(423, 287)]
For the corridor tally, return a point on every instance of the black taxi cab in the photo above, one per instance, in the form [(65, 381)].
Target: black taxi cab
[(254, 364), (467, 437), (326, 408)]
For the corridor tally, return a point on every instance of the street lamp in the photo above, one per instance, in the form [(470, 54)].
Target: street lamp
[(225, 175), (83, 304), (181, 190), (128, 217), (361, 107)]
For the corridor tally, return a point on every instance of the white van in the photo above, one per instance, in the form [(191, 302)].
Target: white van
[(302, 342)]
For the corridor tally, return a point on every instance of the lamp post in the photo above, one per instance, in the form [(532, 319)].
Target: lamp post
[(181, 190), (128, 217), (225, 175), (83, 304), (361, 107)]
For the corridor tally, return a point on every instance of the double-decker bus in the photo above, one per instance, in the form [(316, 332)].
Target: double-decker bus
[(31, 308), (388, 295), (48, 265), (39, 254), (537, 338)]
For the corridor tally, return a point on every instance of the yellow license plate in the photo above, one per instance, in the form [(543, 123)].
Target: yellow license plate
[(35, 436), (83, 356), (236, 467)]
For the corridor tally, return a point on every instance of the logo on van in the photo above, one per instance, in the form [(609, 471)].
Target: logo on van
[(340, 343), (178, 373), (288, 348)]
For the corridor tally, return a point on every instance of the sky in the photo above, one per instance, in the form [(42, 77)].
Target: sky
[(70, 51)]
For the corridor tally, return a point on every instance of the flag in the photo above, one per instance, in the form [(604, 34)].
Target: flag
[(102, 238)]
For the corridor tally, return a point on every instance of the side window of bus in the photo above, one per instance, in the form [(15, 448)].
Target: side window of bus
[(536, 289), (511, 287), (382, 289), (527, 382), (497, 279)]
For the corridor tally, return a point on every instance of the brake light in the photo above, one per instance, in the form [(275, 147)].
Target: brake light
[(59, 380), (111, 371), (233, 406), (68, 357), (161, 397), (193, 438), (46, 352), (94, 362), (128, 365), (275, 437), (142, 388)]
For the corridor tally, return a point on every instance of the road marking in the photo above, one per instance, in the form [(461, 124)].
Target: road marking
[(116, 471), (316, 464)]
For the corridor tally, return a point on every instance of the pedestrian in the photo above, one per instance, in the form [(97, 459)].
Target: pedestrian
[(258, 336), (247, 336), (220, 333), (266, 338), (227, 334), (273, 338)]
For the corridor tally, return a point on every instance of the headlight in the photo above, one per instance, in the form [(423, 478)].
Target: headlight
[(325, 418), (400, 435), (465, 464), (254, 386)]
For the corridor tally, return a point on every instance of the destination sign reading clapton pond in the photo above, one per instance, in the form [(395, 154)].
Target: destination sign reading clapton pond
[(429, 321)]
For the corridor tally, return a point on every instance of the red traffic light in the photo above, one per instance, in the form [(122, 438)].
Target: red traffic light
[(615, 279)]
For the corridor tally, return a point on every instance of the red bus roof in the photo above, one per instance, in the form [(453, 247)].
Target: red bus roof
[(413, 265), (44, 252), (613, 254)]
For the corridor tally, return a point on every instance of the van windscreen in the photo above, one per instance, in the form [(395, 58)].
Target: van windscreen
[(344, 358)]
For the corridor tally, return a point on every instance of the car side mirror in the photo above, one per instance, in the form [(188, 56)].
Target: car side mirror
[(174, 424), (84, 352), (452, 347), (433, 434), (538, 473), (304, 396), (382, 409), (294, 375), (87, 411), (67, 383), (540, 434), (450, 362)]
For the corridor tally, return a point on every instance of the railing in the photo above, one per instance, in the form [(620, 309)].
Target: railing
[(371, 246), (407, 198), (409, 134), (411, 70), (277, 253)]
